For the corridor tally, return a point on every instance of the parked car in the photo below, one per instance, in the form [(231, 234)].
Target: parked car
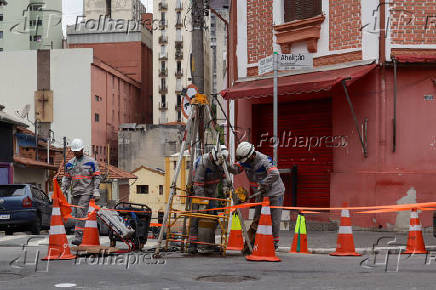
[(24, 207)]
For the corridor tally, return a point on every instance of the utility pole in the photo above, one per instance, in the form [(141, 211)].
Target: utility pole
[(197, 56)]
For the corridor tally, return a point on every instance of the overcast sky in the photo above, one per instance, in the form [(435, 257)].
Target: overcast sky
[(73, 8)]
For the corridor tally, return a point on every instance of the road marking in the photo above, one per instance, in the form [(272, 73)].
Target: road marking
[(65, 285)]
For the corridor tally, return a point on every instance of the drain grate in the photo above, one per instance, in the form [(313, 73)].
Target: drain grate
[(226, 278), (6, 276)]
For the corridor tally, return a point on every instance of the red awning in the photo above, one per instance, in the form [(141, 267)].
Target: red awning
[(296, 84), (416, 58)]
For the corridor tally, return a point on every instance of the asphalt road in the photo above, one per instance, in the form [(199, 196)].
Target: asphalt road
[(178, 271)]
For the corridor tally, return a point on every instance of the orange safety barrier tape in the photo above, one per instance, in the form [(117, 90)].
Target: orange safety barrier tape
[(397, 206)]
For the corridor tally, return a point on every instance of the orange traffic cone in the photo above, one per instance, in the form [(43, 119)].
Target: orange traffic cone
[(91, 236), (345, 242), (299, 245), (235, 242), (415, 242), (263, 249), (58, 248)]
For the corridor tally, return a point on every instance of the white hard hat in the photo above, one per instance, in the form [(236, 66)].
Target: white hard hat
[(244, 151), (77, 145), (224, 153)]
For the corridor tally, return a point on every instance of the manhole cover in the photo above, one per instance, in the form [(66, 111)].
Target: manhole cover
[(9, 276), (226, 278)]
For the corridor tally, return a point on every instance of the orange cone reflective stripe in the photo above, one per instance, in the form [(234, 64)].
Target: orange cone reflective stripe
[(263, 249), (58, 248)]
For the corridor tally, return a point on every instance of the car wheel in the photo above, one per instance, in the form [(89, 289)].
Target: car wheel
[(9, 232), (36, 227)]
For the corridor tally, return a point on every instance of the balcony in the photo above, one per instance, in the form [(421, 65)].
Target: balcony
[(163, 56), (163, 39), (179, 24), (179, 89), (179, 6), (179, 44), (163, 73), (163, 24), (163, 6), (163, 106), (179, 74), (179, 55), (300, 31), (163, 90), (179, 39)]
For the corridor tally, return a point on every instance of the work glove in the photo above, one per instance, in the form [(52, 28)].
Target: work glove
[(220, 158), (96, 195), (262, 189)]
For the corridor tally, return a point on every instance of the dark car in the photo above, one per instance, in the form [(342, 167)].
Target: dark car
[(24, 207)]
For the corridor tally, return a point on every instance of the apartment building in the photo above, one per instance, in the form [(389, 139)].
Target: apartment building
[(30, 24), (171, 59), (126, 9)]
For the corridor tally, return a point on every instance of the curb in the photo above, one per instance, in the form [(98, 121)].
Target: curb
[(326, 251)]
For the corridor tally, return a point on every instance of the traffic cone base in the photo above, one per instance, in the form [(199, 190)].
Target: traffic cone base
[(299, 244), (236, 242), (345, 242), (263, 249), (415, 241), (58, 248)]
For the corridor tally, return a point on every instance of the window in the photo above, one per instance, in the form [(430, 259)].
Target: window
[(142, 189), (35, 38), (1, 34), (36, 7), (163, 99), (175, 164), (162, 83), (179, 66), (1, 17), (301, 9), (97, 117), (160, 189), (1, 48), (163, 66)]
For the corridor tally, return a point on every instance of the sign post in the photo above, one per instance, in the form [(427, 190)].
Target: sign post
[(283, 62), (275, 106)]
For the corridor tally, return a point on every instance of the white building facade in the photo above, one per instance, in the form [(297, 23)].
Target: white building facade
[(30, 24)]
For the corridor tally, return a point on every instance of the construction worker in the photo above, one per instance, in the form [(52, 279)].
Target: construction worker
[(265, 180), (207, 174), (82, 177)]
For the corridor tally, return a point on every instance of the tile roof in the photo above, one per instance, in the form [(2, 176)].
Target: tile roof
[(158, 171), (33, 163), (107, 171)]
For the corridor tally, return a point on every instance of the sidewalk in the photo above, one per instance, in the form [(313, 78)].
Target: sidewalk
[(324, 242)]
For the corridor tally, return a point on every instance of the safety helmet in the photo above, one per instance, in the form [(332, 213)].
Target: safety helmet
[(77, 145), (244, 151), (224, 153)]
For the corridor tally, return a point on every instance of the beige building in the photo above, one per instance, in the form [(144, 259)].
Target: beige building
[(113, 9), (153, 186), (171, 55)]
